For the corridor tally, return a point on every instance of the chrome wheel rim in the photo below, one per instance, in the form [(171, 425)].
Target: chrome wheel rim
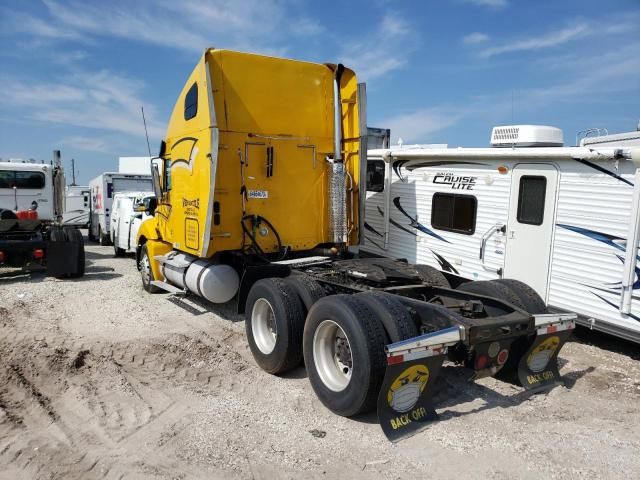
[(332, 355), (145, 268), (263, 326)]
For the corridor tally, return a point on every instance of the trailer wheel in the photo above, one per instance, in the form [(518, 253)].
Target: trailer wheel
[(432, 276), (75, 236), (307, 288), (146, 273), (274, 325), (394, 316), (344, 353), (528, 298)]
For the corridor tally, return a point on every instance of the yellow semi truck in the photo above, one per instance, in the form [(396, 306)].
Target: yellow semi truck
[(259, 185)]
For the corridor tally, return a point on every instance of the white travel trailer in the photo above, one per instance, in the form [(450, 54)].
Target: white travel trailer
[(103, 188), (564, 220), (126, 219), (76, 206)]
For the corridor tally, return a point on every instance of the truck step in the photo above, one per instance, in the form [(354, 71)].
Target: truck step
[(168, 287)]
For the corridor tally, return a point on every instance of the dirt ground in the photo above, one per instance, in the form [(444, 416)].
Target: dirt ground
[(99, 379)]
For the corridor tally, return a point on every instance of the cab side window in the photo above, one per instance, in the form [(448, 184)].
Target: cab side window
[(191, 102)]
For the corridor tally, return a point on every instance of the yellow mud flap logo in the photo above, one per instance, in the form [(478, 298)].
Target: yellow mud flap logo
[(406, 389), (539, 357)]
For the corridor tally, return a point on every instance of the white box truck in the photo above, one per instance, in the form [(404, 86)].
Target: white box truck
[(103, 188)]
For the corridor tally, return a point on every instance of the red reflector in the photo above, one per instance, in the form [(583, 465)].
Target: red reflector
[(502, 356), (38, 253), (1, 257), (552, 329), (481, 362), (394, 360)]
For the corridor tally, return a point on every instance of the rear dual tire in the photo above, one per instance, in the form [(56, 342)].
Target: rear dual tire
[(344, 354), (342, 338)]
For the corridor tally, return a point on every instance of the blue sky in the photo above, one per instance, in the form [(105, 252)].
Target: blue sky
[(75, 73)]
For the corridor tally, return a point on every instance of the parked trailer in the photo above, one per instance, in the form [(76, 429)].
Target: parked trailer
[(103, 188), (564, 220), (31, 232), (258, 198), (76, 206)]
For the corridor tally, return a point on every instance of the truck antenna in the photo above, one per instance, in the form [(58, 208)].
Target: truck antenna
[(145, 130)]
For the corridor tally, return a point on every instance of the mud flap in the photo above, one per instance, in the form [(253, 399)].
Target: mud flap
[(404, 402), (538, 367)]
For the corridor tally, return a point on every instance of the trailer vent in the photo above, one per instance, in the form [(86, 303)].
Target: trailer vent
[(526, 136)]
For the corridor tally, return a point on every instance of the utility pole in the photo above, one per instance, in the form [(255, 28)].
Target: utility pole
[(73, 172)]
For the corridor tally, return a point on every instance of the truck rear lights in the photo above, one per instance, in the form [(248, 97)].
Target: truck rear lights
[(503, 356), (481, 361), (38, 253), (494, 349), (27, 215), (2, 257)]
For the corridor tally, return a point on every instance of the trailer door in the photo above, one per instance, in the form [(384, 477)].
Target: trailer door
[(531, 224)]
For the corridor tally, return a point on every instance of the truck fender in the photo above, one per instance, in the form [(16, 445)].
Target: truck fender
[(252, 273)]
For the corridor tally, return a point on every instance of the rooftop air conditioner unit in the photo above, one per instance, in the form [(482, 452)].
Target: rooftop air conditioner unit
[(526, 136)]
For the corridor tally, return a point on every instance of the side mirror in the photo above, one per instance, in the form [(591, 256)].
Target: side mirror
[(163, 149), (155, 176), (150, 205)]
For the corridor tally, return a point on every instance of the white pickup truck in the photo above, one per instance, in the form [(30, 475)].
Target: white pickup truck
[(126, 218)]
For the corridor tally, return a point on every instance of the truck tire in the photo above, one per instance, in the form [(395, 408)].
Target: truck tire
[(274, 325), (491, 288), (432, 276), (344, 353), (146, 273), (57, 234), (394, 316), (74, 235), (117, 251), (528, 298), (307, 289)]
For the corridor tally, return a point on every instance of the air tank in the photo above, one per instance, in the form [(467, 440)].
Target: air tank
[(215, 282)]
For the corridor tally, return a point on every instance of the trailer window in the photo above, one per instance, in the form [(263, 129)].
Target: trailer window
[(21, 179), (375, 176), (533, 190), (454, 213), (191, 102)]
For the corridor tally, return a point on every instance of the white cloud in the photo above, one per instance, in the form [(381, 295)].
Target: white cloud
[(381, 51), (475, 38), (256, 25), (419, 125), (88, 144), (579, 30), (548, 40), (489, 3), (99, 100)]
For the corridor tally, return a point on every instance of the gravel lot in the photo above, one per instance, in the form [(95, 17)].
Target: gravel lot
[(99, 379)]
